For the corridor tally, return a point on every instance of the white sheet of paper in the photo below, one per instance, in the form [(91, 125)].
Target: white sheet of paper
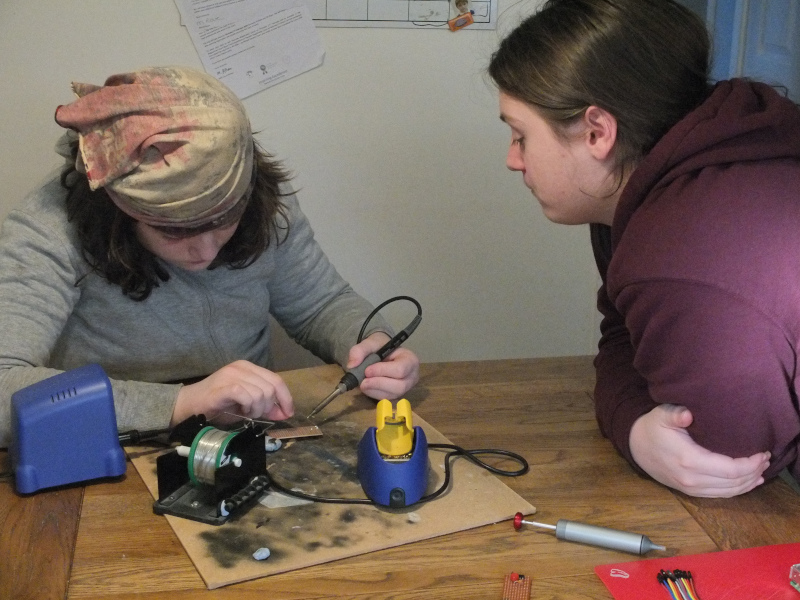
[(251, 45)]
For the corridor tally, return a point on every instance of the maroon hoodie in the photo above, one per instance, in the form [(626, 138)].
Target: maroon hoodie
[(701, 280)]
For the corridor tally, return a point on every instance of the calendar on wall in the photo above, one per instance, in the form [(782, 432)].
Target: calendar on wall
[(402, 13)]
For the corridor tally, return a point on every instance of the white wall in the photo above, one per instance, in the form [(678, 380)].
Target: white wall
[(398, 153)]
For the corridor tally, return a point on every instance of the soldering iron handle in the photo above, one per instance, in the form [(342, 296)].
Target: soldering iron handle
[(398, 339), (353, 378)]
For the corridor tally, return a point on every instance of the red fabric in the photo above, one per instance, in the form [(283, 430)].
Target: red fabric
[(730, 575)]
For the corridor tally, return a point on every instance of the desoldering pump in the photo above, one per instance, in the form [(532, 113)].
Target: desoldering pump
[(572, 531)]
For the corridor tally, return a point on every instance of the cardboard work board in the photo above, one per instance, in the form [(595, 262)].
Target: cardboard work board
[(304, 535)]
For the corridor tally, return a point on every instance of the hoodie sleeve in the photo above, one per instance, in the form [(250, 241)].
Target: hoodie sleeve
[(723, 357), (703, 346), (620, 393)]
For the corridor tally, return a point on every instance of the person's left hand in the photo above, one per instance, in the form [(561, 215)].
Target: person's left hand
[(390, 378), (661, 445)]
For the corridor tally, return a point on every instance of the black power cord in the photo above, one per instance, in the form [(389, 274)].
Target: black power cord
[(471, 455), (400, 337), (134, 436)]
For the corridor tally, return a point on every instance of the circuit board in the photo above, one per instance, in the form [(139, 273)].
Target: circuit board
[(294, 432), (516, 587)]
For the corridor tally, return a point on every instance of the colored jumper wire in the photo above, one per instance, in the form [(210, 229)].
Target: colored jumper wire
[(679, 584)]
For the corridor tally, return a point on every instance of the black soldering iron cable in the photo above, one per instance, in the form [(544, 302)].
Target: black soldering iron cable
[(454, 452)]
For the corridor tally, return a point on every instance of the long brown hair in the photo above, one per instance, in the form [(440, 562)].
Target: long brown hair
[(644, 61), (112, 249)]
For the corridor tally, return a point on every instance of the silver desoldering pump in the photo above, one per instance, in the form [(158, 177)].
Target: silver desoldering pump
[(572, 531)]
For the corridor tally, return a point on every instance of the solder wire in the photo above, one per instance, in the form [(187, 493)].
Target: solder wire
[(208, 453)]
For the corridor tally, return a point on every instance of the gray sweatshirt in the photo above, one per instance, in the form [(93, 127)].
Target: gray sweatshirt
[(55, 314)]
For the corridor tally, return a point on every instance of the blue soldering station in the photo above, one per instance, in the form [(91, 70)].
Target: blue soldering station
[(64, 430), (393, 457)]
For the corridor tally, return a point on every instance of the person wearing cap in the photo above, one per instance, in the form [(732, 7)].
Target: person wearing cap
[(161, 251)]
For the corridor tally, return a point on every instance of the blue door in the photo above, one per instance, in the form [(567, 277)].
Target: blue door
[(758, 39)]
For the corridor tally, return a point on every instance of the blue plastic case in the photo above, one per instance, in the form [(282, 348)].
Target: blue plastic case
[(393, 484), (64, 430)]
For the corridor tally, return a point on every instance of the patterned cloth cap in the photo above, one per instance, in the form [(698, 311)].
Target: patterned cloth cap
[(172, 146)]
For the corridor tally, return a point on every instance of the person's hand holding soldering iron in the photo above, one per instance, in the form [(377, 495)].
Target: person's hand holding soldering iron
[(376, 364), (389, 378), (243, 389)]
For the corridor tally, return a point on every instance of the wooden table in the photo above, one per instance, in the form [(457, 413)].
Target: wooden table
[(103, 540)]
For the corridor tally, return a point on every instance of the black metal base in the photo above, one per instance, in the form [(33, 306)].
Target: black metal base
[(233, 487)]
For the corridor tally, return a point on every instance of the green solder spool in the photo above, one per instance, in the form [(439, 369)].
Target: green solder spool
[(208, 453)]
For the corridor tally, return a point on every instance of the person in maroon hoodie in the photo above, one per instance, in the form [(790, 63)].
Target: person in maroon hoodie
[(692, 193)]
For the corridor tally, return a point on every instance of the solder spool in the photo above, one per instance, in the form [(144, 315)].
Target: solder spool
[(208, 453), (210, 470)]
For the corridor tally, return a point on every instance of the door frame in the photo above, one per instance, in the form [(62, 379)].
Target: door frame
[(727, 20)]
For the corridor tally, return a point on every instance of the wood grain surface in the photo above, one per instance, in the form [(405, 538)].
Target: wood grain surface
[(37, 538), (540, 408)]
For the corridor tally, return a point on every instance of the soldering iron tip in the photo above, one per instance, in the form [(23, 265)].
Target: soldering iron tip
[(325, 402)]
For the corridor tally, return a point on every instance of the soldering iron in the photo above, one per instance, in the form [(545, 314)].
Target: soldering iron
[(353, 377)]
